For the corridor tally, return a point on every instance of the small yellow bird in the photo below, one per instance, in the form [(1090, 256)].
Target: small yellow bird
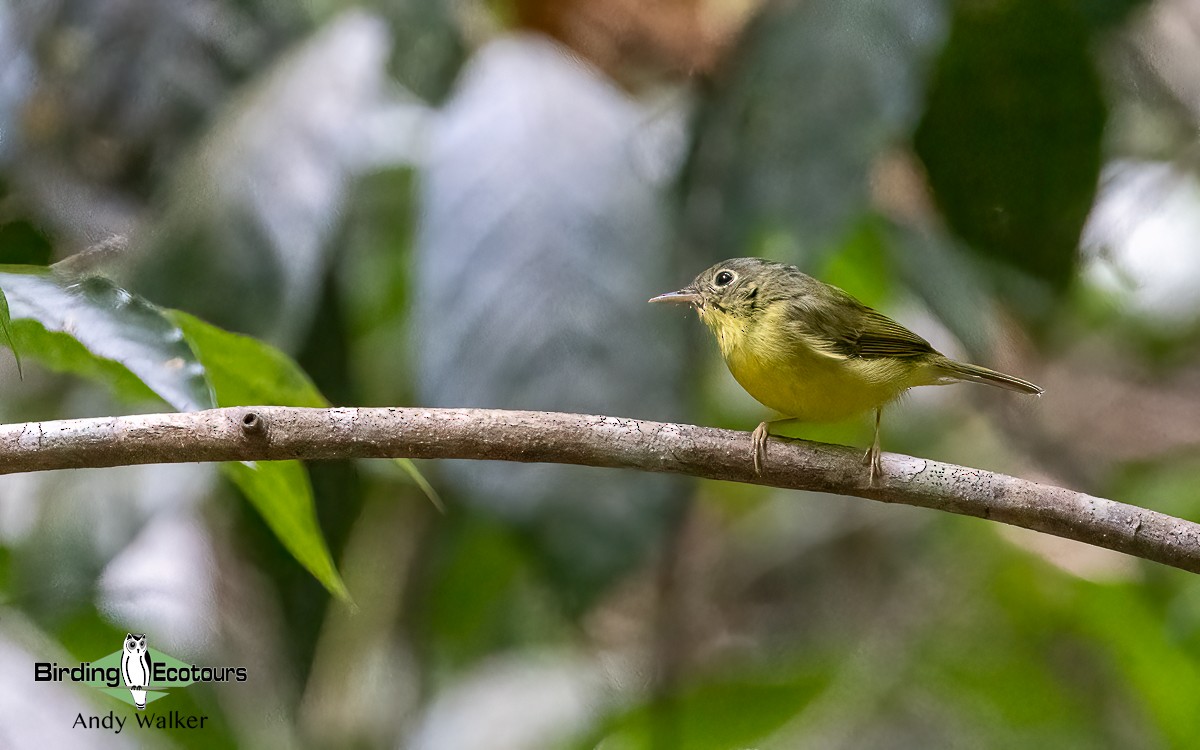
[(812, 352)]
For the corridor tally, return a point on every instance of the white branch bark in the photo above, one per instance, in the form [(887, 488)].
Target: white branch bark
[(274, 433)]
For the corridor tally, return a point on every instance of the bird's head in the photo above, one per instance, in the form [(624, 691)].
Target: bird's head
[(734, 291)]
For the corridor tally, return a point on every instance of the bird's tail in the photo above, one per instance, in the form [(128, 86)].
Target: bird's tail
[(977, 374)]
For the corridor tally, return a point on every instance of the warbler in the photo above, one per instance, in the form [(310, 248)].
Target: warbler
[(812, 352)]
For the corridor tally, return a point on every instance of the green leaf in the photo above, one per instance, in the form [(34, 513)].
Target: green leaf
[(61, 352), (91, 327), (116, 333), (413, 473), (282, 494), (6, 327), (244, 371)]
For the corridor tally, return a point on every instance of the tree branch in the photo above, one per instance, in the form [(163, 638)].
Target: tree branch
[(273, 433)]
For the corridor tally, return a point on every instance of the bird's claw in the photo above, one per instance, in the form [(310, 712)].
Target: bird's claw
[(759, 450), (872, 458)]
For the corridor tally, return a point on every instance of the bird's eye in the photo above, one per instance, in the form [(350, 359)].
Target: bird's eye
[(724, 278)]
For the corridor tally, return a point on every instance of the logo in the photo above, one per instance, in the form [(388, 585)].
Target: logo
[(136, 668), (137, 675)]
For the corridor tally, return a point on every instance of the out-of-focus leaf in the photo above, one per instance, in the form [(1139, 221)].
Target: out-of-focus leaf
[(860, 265), (373, 279), (189, 60), (786, 144), (517, 299), (1011, 690), (1011, 132), (1037, 684), (373, 284), (282, 494), (474, 597), (429, 48), (943, 275), (718, 715), (1104, 13), (1161, 672), (21, 243), (1122, 630), (115, 331), (244, 241)]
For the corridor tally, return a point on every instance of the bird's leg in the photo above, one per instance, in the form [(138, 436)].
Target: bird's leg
[(872, 456), (759, 438)]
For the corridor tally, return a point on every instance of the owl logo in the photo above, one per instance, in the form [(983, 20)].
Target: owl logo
[(135, 667)]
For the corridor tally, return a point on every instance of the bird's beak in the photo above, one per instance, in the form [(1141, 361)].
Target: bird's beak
[(685, 296)]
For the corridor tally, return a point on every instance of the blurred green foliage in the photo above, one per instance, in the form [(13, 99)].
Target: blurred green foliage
[(715, 714)]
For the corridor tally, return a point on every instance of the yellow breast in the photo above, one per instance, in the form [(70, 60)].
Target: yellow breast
[(797, 379)]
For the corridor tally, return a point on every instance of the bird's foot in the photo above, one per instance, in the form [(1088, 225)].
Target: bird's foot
[(872, 458), (759, 438)]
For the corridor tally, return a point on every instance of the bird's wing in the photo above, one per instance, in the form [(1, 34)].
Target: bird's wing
[(880, 336), (848, 328)]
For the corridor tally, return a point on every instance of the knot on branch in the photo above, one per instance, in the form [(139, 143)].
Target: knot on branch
[(254, 424)]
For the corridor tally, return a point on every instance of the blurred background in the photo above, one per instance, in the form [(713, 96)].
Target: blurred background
[(467, 204)]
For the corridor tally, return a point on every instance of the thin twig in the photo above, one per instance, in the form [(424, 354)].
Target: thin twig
[(273, 432)]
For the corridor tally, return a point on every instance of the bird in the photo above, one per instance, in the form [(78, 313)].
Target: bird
[(814, 353)]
